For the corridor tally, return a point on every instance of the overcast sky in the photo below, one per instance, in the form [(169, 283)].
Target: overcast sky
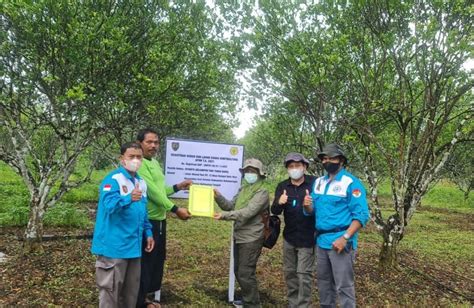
[(246, 116), (246, 119)]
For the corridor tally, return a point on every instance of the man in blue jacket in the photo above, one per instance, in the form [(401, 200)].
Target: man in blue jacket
[(338, 201), (120, 226)]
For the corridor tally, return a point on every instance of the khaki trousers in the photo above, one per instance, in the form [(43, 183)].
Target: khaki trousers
[(118, 281)]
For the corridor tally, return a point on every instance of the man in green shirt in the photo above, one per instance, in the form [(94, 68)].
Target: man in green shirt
[(158, 205)]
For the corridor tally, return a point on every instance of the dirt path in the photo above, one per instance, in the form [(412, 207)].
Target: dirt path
[(64, 274)]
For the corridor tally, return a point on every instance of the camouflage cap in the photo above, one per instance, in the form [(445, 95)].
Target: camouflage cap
[(254, 163)]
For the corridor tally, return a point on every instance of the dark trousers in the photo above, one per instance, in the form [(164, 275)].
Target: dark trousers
[(245, 264), (153, 262)]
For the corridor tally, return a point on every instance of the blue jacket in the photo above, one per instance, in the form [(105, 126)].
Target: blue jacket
[(120, 223), (336, 204)]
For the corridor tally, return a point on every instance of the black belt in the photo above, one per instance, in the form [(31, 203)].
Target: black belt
[(333, 230)]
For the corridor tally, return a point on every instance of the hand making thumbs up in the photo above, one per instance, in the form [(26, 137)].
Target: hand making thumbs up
[(308, 202), (136, 192), (283, 198)]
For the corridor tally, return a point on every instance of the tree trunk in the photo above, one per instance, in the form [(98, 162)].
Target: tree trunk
[(34, 229), (391, 237)]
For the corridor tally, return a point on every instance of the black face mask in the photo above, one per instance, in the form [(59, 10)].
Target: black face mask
[(331, 167)]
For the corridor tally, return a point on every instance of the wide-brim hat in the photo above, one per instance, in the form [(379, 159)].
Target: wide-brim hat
[(332, 150), (296, 157), (254, 163)]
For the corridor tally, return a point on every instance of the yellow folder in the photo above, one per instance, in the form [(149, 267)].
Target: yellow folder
[(201, 200)]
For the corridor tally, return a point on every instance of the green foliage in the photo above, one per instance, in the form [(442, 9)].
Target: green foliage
[(278, 131), (13, 214), (67, 215), (14, 202), (190, 86), (80, 78), (446, 195), (460, 167), (443, 195), (385, 79), (14, 198), (88, 193)]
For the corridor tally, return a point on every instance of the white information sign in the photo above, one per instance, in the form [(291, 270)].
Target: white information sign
[(205, 163)]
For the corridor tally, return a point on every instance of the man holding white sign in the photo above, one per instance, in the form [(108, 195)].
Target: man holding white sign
[(158, 205)]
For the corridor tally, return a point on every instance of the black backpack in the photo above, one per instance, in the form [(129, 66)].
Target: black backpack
[(271, 229)]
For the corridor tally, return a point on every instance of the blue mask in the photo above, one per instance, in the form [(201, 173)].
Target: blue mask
[(251, 177)]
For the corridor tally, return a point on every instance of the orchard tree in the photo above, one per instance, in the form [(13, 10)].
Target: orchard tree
[(412, 97), (190, 73), (297, 62), (62, 63), (459, 167), (81, 74), (387, 76), (279, 130)]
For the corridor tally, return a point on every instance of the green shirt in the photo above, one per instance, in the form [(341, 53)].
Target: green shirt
[(246, 211), (157, 191)]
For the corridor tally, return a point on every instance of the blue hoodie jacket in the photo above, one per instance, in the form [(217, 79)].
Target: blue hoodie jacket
[(336, 204), (120, 223)]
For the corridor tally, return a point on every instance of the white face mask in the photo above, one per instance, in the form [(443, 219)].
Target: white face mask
[(132, 165), (250, 177), (296, 173)]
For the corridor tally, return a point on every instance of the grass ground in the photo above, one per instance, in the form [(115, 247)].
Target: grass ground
[(436, 258)]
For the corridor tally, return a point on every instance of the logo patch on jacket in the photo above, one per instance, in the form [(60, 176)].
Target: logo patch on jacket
[(356, 193), (125, 189), (107, 187)]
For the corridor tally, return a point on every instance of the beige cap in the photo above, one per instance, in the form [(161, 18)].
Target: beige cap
[(254, 163)]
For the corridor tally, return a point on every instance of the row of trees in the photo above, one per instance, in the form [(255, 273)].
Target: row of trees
[(80, 77), (385, 78)]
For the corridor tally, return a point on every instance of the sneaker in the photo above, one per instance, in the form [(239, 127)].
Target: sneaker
[(152, 304), (238, 303)]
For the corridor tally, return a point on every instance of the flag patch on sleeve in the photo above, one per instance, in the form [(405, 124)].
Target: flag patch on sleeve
[(107, 187), (356, 193)]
